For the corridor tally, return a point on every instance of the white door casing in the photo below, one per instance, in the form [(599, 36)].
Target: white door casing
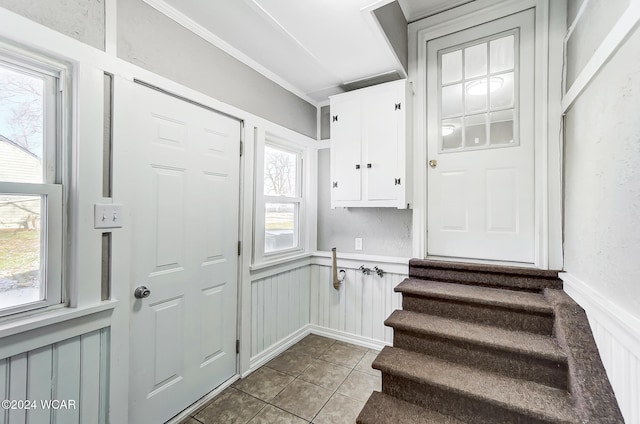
[(184, 231), (481, 190)]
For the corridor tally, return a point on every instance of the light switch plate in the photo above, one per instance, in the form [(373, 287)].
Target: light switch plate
[(358, 244), (108, 215)]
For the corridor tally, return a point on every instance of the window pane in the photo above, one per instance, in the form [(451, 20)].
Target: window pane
[(21, 126), (452, 67), (280, 172), (502, 127), (502, 96), (20, 250), (452, 100), (280, 226), (502, 54), (476, 96), (475, 61), (451, 133), (475, 130)]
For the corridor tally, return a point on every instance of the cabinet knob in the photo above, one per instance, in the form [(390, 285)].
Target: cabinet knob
[(358, 166), (368, 165), (335, 118), (397, 181), (398, 106), (335, 184)]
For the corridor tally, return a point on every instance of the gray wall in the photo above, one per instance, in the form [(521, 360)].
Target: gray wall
[(384, 231), (394, 25), (80, 19), (149, 39), (325, 123), (602, 179), (597, 20)]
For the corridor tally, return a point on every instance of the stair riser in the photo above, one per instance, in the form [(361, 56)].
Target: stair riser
[(460, 406), (514, 365), (516, 282), (483, 314)]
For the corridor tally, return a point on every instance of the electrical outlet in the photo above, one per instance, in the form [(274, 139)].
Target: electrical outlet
[(358, 244)]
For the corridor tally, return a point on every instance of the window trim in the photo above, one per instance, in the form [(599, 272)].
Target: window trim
[(264, 139), (53, 189)]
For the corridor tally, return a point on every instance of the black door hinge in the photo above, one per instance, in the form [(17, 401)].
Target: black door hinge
[(335, 184), (237, 346), (335, 118), (398, 106), (397, 181), (239, 248)]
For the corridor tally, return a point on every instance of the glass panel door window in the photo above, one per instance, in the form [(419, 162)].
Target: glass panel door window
[(30, 187), (478, 90)]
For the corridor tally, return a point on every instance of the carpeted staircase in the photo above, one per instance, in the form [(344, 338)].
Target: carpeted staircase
[(488, 344)]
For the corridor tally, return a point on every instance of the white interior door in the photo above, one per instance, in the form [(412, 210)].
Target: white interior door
[(480, 147), (185, 170)]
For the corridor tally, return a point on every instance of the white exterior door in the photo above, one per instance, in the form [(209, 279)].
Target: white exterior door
[(185, 168), (480, 147)]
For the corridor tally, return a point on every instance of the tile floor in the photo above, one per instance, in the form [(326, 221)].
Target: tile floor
[(317, 380)]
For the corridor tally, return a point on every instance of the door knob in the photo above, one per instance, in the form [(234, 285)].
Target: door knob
[(141, 292), (433, 163)]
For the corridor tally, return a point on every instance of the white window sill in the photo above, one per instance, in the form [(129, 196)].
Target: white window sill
[(280, 261), (38, 320)]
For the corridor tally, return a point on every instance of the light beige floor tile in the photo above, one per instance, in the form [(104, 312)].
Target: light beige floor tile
[(231, 407), (325, 374), (365, 363), (312, 345), (359, 385), (339, 410), (302, 399), (272, 415), (292, 363), (341, 354), (264, 383)]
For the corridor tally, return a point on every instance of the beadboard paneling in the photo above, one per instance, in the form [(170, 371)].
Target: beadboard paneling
[(72, 369), (623, 369), (279, 307), (359, 307), (617, 335)]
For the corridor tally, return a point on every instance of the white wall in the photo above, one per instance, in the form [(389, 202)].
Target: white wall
[(602, 187), (79, 19)]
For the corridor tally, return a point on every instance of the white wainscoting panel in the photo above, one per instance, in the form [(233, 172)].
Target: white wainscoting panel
[(617, 335), (279, 308), (359, 307), (73, 369)]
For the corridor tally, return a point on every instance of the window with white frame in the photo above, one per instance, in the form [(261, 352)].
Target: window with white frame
[(31, 190), (279, 200)]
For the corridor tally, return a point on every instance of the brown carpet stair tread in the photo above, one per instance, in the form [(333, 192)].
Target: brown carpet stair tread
[(533, 302), (479, 334), (384, 409), (521, 396), (498, 269)]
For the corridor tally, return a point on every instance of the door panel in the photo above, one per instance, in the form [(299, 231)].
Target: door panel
[(185, 167), (480, 143), (346, 159), (380, 130)]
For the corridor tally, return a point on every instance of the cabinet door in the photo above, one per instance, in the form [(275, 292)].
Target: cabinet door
[(381, 111), (346, 166)]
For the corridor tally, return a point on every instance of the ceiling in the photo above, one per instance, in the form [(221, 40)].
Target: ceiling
[(313, 48)]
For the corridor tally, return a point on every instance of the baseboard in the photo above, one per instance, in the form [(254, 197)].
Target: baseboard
[(276, 349), (624, 326), (348, 337), (617, 335)]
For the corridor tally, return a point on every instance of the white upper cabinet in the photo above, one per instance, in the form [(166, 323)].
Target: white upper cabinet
[(370, 153)]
